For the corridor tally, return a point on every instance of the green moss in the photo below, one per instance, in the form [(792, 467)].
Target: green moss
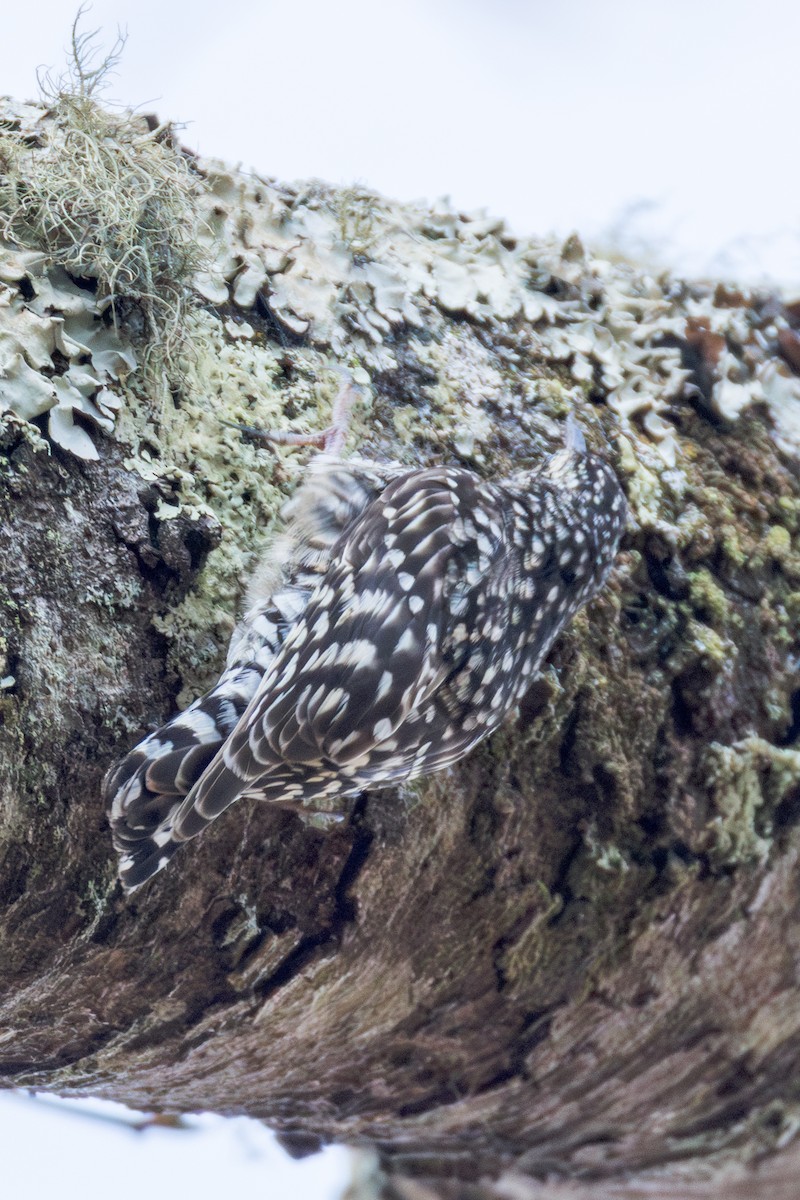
[(792, 604), (734, 782), (790, 512), (708, 598), (777, 544), (730, 544), (704, 644)]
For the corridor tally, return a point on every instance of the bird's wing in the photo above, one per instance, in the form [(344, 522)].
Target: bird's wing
[(366, 651), (144, 791)]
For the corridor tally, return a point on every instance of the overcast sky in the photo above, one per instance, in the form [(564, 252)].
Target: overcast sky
[(670, 123)]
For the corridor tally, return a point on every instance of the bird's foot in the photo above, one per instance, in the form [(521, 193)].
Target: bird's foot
[(331, 440)]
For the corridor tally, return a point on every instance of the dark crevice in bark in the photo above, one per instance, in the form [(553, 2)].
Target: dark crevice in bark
[(666, 573), (787, 812), (344, 912), (792, 733), (560, 885), (535, 1028)]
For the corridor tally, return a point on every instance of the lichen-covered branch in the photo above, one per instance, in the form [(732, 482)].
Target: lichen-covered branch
[(572, 957)]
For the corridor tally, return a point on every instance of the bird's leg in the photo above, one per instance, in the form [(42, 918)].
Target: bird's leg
[(335, 435), (331, 440), (574, 441)]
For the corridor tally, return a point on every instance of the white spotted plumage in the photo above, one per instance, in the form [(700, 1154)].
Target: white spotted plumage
[(408, 614)]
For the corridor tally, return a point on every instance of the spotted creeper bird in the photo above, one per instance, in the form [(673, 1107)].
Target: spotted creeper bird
[(406, 613)]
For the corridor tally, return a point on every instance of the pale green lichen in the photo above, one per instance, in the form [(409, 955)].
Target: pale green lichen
[(58, 319), (125, 595), (211, 469), (606, 856), (746, 782), (782, 392), (98, 227), (701, 643), (468, 385), (346, 269), (645, 490)]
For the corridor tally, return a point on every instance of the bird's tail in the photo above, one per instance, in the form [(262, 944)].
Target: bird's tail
[(144, 793)]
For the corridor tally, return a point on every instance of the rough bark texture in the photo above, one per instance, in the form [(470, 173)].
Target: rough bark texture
[(569, 967)]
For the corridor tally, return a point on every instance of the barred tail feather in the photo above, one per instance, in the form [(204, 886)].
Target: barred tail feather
[(144, 852), (217, 790), (145, 857), (144, 792)]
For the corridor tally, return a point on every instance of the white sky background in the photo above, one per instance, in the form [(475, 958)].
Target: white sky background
[(557, 114), (663, 125)]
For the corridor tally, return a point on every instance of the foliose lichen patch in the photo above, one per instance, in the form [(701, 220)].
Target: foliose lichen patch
[(346, 273)]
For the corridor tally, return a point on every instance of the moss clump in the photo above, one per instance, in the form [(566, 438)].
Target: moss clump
[(106, 197)]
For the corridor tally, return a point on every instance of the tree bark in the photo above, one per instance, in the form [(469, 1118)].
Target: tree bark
[(569, 966)]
